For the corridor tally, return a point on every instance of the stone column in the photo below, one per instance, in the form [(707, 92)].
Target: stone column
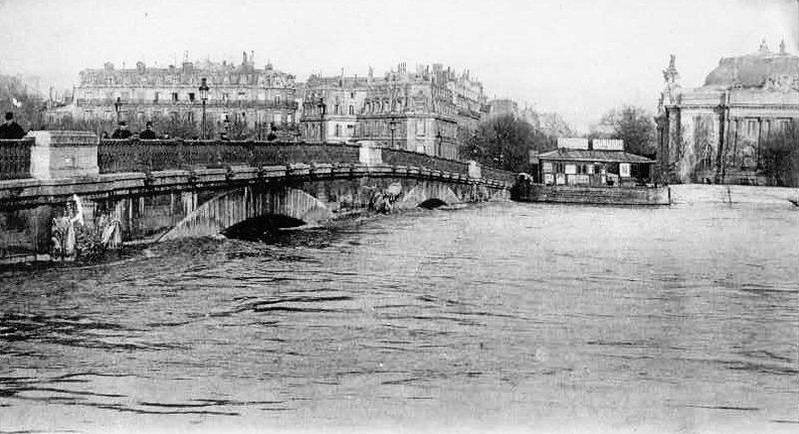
[(759, 139), (735, 134)]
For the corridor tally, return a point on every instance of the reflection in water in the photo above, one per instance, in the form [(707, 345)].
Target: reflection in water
[(488, 317)]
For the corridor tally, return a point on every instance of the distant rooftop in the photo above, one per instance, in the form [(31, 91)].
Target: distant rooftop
[(598, 156), (755, 69)]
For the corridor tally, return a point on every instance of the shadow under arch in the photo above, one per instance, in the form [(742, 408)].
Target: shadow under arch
[(255, 227), (232, 208), (432, 203)]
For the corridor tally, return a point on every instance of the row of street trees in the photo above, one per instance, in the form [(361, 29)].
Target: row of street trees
[(505, 142), (634, 125), (779, 157)]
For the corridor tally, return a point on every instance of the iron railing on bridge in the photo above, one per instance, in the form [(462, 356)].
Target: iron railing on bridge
[(498, 174), (15, 158), (400, 157), (115, 156), (154, 155)]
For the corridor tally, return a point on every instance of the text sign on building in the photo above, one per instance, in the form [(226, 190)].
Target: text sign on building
[(624, 170), (572, 143), (608, 145)]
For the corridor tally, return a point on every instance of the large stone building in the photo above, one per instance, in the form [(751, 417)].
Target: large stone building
[(420, 111), (237, 93), (716, 132)]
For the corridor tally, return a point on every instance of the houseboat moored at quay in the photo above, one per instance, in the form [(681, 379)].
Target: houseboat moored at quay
[(602, 173)]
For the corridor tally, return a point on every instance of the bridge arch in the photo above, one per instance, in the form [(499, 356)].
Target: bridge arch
[(429, 195), (232, 208)]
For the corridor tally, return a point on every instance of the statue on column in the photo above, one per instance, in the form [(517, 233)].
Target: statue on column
[(671, 77)]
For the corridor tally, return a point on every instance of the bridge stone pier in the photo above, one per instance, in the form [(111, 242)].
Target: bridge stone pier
[(78, 192)]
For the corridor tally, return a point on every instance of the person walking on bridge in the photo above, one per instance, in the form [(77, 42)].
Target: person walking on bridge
[(148, 133), (11, 130), (122, 131)]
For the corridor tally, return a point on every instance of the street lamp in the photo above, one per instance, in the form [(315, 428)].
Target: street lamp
[(117, 107), (204, 97), (322, 109), (440, 140), (226, 124)]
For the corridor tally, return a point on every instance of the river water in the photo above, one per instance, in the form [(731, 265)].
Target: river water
[(496, 317)]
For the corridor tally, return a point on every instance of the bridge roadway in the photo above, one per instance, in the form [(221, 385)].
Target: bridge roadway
[(142, 205)]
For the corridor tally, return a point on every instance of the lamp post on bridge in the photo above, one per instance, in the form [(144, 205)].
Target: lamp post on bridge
[(322, 109), (204, 97), (440, 140), (118, 107)]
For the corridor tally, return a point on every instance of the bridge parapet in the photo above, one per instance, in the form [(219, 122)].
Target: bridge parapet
[(63, 154)]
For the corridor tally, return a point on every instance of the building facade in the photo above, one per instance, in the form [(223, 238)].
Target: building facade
[(237, 93), (421, 111), (715, 133)]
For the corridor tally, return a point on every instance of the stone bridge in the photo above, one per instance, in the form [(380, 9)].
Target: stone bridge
[(76, 189)]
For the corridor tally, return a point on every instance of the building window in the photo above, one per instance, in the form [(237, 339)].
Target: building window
[(352, 95), (225, 97), (174, 97), (336, 109), (338, 130), (191, 96), (155, 97), (352, 110), (190, 116)]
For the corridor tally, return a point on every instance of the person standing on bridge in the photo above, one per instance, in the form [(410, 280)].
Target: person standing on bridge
[(148, 133), (121, 132), (11, 130)]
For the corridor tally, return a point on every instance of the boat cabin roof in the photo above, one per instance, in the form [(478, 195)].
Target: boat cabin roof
[(594, 155)]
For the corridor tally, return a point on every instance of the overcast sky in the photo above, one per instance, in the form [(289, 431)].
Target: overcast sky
[(577, 57)]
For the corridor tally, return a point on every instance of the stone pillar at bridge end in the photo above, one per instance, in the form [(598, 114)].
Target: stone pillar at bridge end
[(64, 154), (370, 154), (474, 170)]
